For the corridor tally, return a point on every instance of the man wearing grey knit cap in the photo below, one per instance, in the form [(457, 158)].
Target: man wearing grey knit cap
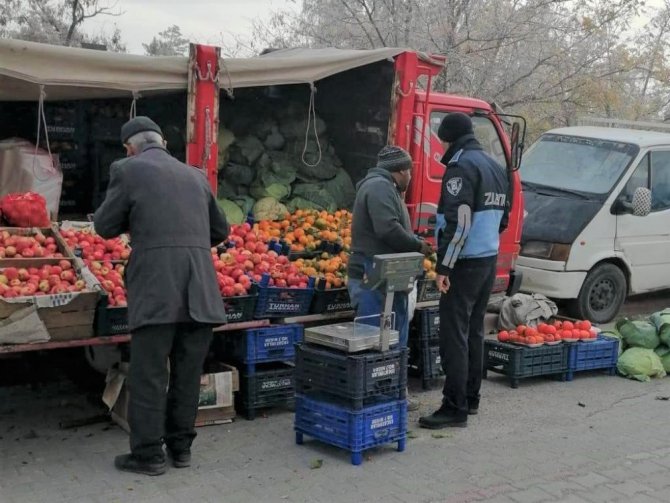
[(381, 225)]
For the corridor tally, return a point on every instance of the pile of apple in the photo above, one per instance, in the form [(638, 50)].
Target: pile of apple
[(44, 280), (35, 246), (237, 268), (93, 247), (549, 333), (110, 277), (246, 237)]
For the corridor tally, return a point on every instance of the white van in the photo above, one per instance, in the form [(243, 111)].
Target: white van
[(597, 217)]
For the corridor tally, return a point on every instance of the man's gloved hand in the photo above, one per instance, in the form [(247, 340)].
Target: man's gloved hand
[(426, 248)]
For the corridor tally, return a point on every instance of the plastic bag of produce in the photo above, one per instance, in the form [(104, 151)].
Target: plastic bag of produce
[(269, 208), (638, 333), (661, 321), (342, 189), (232, 211), (640, 364), (25, 210)]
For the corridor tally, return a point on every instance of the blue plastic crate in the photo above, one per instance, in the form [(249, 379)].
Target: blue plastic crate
[(278, 302), (275, 343), (353, 430), (602, 353)]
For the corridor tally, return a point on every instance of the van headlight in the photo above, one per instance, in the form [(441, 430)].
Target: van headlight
[(549, 251)]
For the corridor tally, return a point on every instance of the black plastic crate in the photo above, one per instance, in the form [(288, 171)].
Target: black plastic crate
[(333, 300), (239, 309), (110, 320), (351, 377), (269, 386), (425, 362), (427, 323), (427, 290), (279, 302), (518, 362)]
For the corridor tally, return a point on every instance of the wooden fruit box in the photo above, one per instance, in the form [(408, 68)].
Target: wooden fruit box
[(32, 231), (67, 316)]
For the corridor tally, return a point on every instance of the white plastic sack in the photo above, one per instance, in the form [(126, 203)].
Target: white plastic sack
[(411, 301), (24, 170)]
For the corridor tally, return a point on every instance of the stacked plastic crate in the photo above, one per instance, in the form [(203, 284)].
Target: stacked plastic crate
[(354, 401), (424, 356), (265, 358)]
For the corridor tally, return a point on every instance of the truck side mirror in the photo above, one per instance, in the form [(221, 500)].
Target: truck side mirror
[(517, 146), (641, 202)]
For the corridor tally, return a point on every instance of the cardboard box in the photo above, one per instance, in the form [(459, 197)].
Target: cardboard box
[(216, 395), (66, 316)]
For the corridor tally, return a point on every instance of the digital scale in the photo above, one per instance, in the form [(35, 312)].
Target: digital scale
[(391, 272)]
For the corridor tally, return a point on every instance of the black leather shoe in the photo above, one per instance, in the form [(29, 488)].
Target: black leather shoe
[(442, 418), (129, 463), (181, 459), (473, 411)]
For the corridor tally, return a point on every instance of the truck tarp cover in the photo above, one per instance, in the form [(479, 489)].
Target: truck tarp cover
[(73, 73)]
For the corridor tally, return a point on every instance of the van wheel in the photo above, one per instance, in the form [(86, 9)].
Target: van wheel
[(602, 294)]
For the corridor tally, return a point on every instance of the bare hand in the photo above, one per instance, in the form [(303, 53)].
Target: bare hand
[(426, 248), (443, 283)]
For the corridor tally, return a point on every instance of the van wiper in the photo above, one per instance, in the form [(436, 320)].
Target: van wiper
[(553, 191)]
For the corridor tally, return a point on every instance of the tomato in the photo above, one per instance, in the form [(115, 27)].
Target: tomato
[(568, 325), (503, 336), (586, 325), (521, 329)]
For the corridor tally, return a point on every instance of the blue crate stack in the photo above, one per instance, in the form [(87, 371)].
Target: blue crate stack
[(424, 358), (266, 359), (600, 354), (354, 401)]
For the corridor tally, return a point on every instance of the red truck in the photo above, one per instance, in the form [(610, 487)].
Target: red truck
[(367, 98)]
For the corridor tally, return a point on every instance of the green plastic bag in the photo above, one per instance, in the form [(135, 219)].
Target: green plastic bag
[(640, 364), (638, 333), (661, 321)]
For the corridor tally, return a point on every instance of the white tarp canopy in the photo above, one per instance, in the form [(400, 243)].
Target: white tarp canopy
[(73, 73)]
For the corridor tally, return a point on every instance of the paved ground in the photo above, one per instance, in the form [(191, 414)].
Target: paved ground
[(596, 439), (532, 444)]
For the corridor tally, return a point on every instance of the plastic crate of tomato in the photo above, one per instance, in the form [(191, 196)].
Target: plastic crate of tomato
[(278, 302), (518, 362), (599, 354)]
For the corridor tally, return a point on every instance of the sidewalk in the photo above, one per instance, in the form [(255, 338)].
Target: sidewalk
[(532, 444)]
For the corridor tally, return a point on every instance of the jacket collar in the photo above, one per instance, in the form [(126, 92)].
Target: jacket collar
[(465, 142), (151, 146), (377, 173)]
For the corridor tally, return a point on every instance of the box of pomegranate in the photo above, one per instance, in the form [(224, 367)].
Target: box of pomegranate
[(62, 290)]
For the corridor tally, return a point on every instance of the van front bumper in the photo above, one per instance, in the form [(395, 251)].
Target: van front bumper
[(554, 284)]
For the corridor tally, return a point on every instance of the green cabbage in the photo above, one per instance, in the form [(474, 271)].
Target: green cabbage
[(640, 364), (232, 211), (661, 321), (638, 333), (269, 208)]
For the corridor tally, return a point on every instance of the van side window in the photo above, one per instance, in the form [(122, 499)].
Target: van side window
[(639, 178), (660, 181)]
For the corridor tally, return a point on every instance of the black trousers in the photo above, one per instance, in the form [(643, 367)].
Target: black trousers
[(462, 311), (163, 404)]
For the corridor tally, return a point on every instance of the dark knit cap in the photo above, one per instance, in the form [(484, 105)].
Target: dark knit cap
[(136, 125), (392, 158), (453, 126)]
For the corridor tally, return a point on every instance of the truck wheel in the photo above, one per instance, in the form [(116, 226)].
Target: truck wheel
[(602, 294)]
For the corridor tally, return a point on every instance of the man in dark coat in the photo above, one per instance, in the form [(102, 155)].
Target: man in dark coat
[(173, 220), (380, 224)]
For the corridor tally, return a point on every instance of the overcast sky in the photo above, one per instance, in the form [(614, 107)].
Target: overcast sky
[(205, 21)]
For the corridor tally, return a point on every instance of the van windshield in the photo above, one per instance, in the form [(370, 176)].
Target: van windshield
[(572, 163)]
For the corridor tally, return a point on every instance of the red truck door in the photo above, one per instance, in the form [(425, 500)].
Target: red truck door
[(424, 192)]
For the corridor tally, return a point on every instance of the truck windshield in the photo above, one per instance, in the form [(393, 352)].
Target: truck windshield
[(572, 163)]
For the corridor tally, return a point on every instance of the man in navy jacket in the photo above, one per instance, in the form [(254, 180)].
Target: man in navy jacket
[(474, 207)]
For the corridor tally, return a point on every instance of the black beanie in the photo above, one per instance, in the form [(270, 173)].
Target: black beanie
[(136, 125), (392, 158), (453, 126)]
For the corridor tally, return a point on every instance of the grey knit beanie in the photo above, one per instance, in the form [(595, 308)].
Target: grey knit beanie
[(392, 158), (136, 125)]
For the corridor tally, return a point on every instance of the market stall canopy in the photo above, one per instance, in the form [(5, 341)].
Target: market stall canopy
[(73, 73), (297, 66)]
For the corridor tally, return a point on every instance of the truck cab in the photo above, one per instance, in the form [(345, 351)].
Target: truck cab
[(597, 222), (425, 188)]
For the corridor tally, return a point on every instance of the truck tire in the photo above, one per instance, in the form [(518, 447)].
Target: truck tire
[(602, 294)]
